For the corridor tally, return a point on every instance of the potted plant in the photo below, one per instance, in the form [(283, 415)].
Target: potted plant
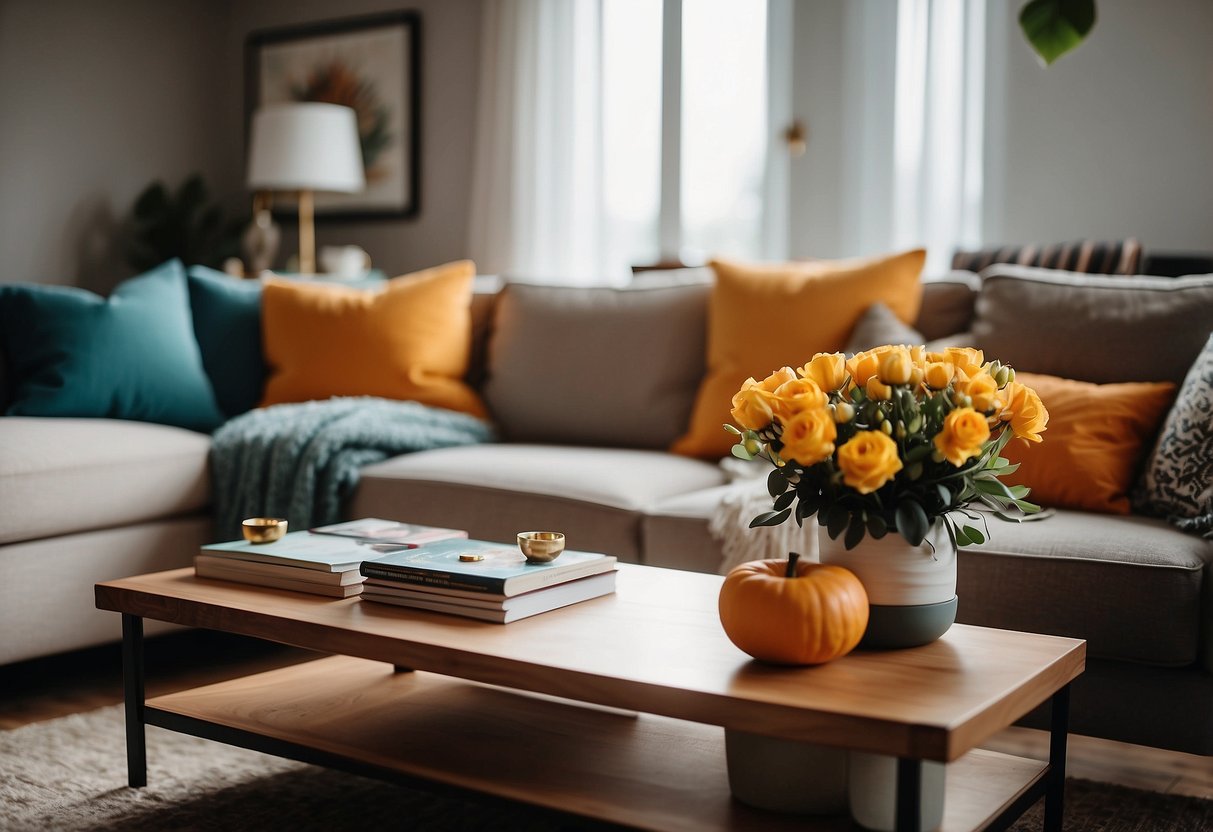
[(891, 450)]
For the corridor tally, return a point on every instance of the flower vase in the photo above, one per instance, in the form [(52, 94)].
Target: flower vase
[(785, 775), (911, 589)]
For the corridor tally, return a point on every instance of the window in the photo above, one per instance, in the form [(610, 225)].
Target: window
[(683, 174)]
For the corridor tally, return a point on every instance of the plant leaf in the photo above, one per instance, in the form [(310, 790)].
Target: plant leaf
[(1054, 27), (732, 430), (770, 518), (877, 527), (776, 483), (837, 519), (740, 452), (974, 534), (784, 500), (912, 521), (855, 532)]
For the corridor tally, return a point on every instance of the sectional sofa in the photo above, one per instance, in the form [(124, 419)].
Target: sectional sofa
[(584, 430)]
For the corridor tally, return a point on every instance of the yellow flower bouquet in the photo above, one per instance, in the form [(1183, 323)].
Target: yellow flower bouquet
[(888, 440)]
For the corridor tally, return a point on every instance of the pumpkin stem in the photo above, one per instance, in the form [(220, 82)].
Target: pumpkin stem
[(792, 558)]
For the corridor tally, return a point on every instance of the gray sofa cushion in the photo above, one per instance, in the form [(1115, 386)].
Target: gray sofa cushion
[(1131, 586), (947, 304), (595, 496), (59, 476), (1093, 328), (617, 367)]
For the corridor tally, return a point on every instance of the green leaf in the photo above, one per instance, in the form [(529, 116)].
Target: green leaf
[(993, 486), (776, 482), (911, 521), (945, 496), (974, 534), (1020, 491), (732, 430), (740, 452), (784, 500), (770, 518), (1054, 27), (877, 527), (855, 532), (1025, 506), (837, 519)]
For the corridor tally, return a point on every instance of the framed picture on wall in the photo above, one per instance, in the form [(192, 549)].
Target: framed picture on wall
[(371, 64)]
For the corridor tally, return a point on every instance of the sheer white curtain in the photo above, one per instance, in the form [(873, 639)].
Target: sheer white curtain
[(937, 127), (537, 207)]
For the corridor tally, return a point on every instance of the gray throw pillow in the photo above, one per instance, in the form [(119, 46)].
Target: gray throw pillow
[(1178, 480), (879, 326), (947, 304), (1092, 327), (596, 366)]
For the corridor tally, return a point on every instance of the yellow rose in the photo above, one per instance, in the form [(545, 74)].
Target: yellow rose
[(797, 395), (754, 404), (808, 437), (864, 365), (1025, 412), (878, 390), (964, 432), (982, 389), (965, 359), (868, 460), (895, 366), (938, 374), (827, 369)]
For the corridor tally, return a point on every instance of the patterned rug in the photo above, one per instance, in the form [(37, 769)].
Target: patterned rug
[(69, 774)]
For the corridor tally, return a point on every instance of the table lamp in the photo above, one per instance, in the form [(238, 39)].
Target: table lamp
[(305, 147)]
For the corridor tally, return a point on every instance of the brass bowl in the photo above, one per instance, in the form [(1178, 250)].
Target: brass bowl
[(263, 529), (541, 547)]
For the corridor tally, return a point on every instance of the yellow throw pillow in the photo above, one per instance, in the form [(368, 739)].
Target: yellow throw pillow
[(410, 340), (1096, 438), (763, 317)]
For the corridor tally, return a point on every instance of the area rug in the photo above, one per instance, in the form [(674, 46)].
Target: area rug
[(69, 774)]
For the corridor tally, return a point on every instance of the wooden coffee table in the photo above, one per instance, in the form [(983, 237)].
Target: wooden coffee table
[(479, 713)]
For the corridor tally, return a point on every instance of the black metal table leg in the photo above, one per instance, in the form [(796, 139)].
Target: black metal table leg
[(1059, 729), (132, 683), (909, 795)]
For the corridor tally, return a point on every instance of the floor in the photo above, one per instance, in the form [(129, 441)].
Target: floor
[(48, 688)]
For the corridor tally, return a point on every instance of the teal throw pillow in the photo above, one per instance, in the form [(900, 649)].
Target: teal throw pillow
[(227, 326), (131, 356)]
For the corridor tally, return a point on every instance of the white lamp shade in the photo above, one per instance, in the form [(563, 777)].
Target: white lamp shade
[(305, 146)]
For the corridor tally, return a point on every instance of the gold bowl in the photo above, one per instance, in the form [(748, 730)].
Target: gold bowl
[(541, 547), (263, 529)]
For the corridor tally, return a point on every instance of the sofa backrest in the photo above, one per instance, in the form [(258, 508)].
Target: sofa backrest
[(1096, 328)]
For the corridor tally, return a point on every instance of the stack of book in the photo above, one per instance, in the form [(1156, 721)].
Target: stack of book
[(323, 561), (488, 581)]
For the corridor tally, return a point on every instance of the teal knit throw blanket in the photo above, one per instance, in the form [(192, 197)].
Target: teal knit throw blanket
[(301, 461)]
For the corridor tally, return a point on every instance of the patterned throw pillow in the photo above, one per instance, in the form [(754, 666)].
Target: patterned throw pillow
[(1178, 481), (1086, 256)]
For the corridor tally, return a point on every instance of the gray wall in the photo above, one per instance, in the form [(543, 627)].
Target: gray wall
[(450, 38), (96, 101), (1113, 140)]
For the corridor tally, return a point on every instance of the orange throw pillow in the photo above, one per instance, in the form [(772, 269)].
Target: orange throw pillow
[(1095, 441), (763, 317), (409, 341)]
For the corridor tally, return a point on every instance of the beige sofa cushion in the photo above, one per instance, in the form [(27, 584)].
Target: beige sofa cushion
[(596, 366), (1093, 327), (46, 586), (59, 476), (595, 496), (1131, 586)]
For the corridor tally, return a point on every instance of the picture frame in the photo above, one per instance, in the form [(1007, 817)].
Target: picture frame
[(371, 63)]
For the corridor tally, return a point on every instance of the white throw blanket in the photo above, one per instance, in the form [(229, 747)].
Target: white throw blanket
[(746, 498)]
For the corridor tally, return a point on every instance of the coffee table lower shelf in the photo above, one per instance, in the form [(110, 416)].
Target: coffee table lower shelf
[(635, 770)]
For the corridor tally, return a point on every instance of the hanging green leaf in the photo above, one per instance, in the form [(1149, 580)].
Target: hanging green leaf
[(1054, 27)]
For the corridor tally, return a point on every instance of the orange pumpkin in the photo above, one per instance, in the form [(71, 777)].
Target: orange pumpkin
[(791, 612)]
